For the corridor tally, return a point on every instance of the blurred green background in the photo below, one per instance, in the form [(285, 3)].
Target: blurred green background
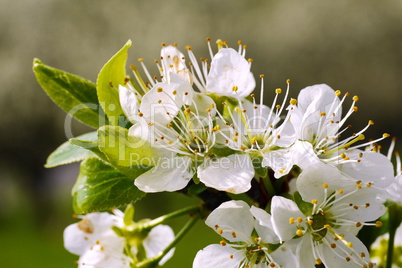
[(353, 46)]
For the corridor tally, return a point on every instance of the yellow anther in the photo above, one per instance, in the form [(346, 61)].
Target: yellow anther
[(299, 232), (187, 111), (220, 231), (368, 185), (371, 122), (299, 220), (310, 222), (343, 155), (355, 98), (278, 91), (314, 201), (350, 245), (235, 88), (159, 89), (140, 59), (326, 226), (287, 81), (325, 185), (385, 135), (188, 47), (318, 261), (378, 224), (252, 95), (355, 109), (358, 224), (250, 60), (174, 92), (293, 101), (239, 42), (223, 243), (212, 105), (231, 256), (291, 220), (323, 114), (337, 93)]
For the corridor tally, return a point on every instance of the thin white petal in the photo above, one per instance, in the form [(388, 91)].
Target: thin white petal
[(232, 216), (282, 209), (217, 256), (263, 226), (231, 174), (170, 174), (157, 240)]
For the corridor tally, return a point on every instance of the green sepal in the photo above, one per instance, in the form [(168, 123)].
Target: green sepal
[(196, 189), (129, 215), (101, 187), (110, 77), (259, 169), (132, 156), (230, 103), (305, 207), (68, 153), (75, 95)]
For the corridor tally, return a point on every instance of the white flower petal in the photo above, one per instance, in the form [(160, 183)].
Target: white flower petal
[(101, 256), (79, 237), (157, 240), (304, 252), (232, 216), (230, 69), (331, 256), (159, 104), (129, 103), (285, 257), (263, 226), (310, 182), (231, 174), (282, 209), (373, 167), (217, 256), (170, 174)]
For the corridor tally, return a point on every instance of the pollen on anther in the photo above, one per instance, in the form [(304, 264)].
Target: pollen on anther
[(293, 101), (220, 231), (235, 88), (385, 135), (287, 81), (333, 245), (278, 91), (314, 201), (231, 256), (299, 219), (355, 98), (340, 191), (291, 220), (378, 224), (337, 93), (299, 232), (223, 243), (325, 185), (234, 234)]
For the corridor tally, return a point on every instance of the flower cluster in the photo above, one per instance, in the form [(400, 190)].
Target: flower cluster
[(202, 131)]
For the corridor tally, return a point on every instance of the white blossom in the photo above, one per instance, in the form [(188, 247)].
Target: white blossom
[(332, 210), (248, 240)]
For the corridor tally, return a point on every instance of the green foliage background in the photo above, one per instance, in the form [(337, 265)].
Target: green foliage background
[(353, 46)]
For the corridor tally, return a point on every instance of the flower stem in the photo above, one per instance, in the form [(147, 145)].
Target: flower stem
[(165, 218), (395, 218), (153, 262)]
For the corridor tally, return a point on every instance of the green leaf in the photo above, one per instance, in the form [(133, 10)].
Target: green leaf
[(76, 95), (101, 187), (90, 146), (69, 153), (110, 77), (130, 155)]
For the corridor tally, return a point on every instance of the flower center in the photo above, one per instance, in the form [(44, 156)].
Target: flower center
[(318, 224)]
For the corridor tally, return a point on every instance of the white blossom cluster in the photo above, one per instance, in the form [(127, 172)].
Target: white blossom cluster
[(206, 126)]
